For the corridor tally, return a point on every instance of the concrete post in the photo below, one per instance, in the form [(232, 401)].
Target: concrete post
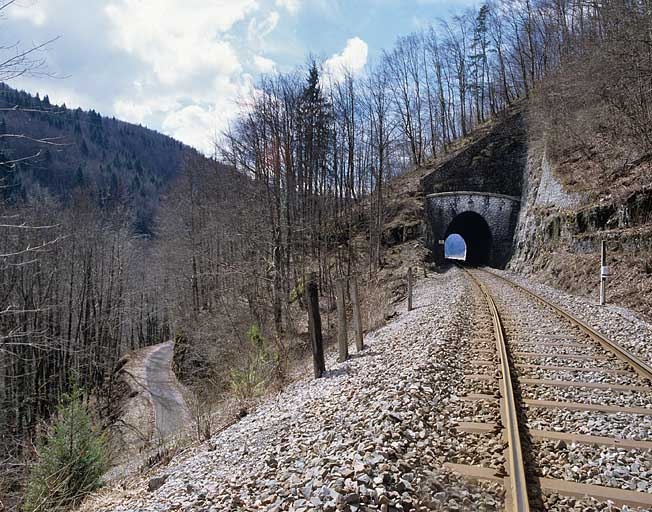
[(604, 272)]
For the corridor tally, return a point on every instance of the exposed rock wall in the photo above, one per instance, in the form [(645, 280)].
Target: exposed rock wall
[(493, 163), (559, 233)]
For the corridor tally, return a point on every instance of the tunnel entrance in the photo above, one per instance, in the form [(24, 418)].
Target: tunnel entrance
[(475, 231), (455, 247)]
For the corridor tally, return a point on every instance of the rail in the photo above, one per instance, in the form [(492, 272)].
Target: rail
[(518, 483), (640, 366)]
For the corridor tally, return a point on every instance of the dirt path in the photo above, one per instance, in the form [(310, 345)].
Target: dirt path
[(170, 410)]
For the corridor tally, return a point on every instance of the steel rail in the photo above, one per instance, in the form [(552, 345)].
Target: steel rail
[(640, 366), (518, 483)]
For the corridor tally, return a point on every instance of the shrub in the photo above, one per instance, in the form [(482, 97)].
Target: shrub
[(250, 380), (71, 461)]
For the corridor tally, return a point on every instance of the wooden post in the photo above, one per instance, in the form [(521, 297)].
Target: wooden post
[(409, 288), (357, 317), (604, 272), (342, 327), (314, 325)]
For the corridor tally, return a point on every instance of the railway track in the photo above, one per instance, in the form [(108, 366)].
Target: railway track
[(572, 409)]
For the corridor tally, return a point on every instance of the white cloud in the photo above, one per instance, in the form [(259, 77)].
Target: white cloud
[(192, 55), (137, 109), (292, 6), (29, 11), (352, 59), (263, 64), (200, 122), (257, 31), (179, 41), (193, 123)]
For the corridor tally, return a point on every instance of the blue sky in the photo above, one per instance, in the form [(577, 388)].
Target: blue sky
[(179, 66), (455, 247)]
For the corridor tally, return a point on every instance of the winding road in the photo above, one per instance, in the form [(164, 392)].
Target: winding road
[(170, 410)]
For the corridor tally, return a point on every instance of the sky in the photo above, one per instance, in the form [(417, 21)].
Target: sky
[(179, 66), (455, 247)]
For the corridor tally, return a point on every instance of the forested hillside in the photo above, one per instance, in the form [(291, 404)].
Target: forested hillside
[(589, 168), (68, 151), (79, 280)]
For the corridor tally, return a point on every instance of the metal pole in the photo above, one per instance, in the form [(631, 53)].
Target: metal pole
[(604, 272)]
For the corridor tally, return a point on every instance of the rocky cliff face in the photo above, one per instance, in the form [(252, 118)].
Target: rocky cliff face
[(559, 233)]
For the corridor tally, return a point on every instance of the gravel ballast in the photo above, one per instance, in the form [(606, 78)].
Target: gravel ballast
[(372, 434), (618, 324), (376, 431)]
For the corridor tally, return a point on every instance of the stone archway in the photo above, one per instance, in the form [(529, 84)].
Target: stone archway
[(485, 221)]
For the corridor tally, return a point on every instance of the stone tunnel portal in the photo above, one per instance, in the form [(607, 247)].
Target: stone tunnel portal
[(484, 220), (475, 231)]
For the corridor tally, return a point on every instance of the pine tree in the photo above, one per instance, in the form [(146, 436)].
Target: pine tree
[(71, 460)]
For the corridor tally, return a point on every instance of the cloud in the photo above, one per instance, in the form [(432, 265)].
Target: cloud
[(29, 11), (139, 108), (263, 64), (192, 57), (200, 122), (179, 41), (352, 59), (292, 6), (257, 31), (193, 123)]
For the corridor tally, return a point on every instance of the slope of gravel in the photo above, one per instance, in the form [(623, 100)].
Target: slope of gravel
[(372, 434)]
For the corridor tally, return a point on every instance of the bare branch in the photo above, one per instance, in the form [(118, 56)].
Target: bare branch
[(50, 141)]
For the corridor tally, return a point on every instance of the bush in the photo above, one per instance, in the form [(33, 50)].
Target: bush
[(250, 380), (72, 459)]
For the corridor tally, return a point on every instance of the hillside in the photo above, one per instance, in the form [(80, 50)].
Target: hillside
[(588, 175), (77, 192), (64, 150)]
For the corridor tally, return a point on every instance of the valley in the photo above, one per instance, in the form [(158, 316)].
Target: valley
[(365, 282)]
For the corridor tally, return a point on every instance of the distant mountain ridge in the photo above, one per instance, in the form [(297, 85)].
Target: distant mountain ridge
[(115, 162)]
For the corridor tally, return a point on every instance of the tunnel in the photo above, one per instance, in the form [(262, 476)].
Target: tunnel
[(475, 231)]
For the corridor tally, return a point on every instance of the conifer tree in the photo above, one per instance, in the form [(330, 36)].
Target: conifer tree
[(71, 460)]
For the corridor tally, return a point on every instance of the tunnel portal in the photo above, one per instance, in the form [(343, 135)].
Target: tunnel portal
[(485, 221)]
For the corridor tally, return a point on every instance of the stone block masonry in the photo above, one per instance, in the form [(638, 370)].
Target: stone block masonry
[(485, 221)]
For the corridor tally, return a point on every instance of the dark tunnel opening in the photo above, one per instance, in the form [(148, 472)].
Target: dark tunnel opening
[(476, 234)]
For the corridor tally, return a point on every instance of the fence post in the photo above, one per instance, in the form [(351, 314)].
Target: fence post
[(342, 327), (314, 325), (409, 288), (357, 317)]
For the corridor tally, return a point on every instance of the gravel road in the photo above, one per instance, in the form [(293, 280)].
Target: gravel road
[(170, 409)]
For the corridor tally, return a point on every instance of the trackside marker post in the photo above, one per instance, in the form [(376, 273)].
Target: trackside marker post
[(604, 273), (342, 327), (357, 316)]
